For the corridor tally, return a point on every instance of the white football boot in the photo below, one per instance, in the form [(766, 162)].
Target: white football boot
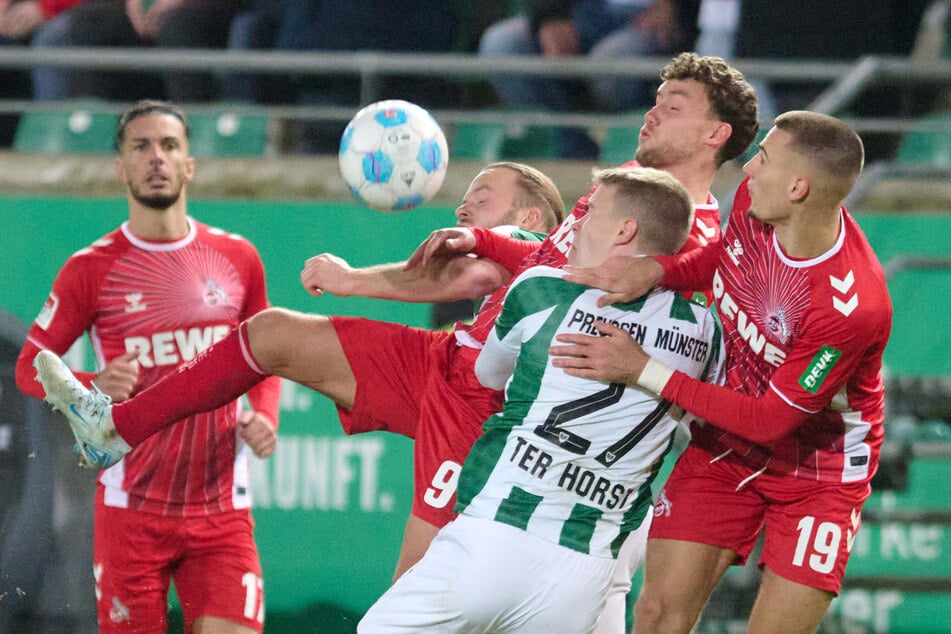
[(89, 413)]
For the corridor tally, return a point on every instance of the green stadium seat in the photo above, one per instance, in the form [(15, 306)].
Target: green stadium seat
[(488, 142), (751, 151), (620, 142), (923, 147), (934, 430), (619, 145), (78, 131), (926, 488), (478, 141), (227, 134), (531, 142)]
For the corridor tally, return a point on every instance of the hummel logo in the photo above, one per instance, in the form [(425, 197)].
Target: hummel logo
[(843, 286), (135, 303), (850, 533), (845, 308), (707, 233), (118, 613)]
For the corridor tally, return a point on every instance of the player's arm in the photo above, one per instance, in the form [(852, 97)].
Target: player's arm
[(627, 278), (443, 280), (526, 309), (496, 361), (258, 425), (64, 318), (501, 248), (759, 419), (481, 242), (813, 372), (616, 357), (441, 269)]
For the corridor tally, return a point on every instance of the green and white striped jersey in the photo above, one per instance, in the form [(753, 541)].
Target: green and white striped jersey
[(569, 459)]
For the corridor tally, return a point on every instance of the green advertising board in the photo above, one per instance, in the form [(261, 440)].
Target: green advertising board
[(329, 509)]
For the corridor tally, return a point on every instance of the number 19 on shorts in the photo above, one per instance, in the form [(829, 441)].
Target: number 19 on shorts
[(822, 544)]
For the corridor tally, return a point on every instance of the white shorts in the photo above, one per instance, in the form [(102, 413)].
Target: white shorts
[(613, 619), (484, 576)]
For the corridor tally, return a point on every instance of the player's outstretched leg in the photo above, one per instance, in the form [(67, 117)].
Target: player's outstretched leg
[(89, 412)]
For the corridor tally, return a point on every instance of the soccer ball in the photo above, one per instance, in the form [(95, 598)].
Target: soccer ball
[(393, 155)]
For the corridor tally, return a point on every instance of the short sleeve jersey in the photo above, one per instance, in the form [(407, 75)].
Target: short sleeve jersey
[(554, 248), (814, 332), (569, 459), (169, 301)]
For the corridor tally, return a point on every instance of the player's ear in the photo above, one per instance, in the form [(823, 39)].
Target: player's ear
[(627, 231), (120, 170), (189, 169), (799, 189), (532, 219), (721, 133)]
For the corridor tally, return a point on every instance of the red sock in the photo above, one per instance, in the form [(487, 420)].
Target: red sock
[(216, 377)]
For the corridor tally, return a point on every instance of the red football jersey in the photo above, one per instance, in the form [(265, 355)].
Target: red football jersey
[(168, 301), (812, 331), (553, 252)]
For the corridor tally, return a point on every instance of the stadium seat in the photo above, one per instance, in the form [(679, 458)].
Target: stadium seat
[(923, 147), (478, 141), (531, 142), (227, 134), (619, 145), (488, 142), (751, 151), (620, 142), (78, 131)]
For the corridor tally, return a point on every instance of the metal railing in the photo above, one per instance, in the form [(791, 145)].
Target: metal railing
[(846, 80)]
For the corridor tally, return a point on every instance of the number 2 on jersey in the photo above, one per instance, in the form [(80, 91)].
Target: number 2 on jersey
[(552, 430)]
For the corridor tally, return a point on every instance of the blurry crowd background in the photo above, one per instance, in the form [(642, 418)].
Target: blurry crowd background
[(911, 494), (608, 30)]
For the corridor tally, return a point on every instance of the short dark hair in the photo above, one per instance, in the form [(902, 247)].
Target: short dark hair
[(732, 98), (832, 146), (147, 107)]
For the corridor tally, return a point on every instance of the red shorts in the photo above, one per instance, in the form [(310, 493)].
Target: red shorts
[(212, 559), (809, 525), (421, 384)]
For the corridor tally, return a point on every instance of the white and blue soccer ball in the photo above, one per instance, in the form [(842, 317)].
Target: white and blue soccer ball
[(393, 155)]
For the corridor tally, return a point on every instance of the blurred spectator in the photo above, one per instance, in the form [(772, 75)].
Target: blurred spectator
[(601, 29), (716, 24), (20, 21), (130, 23), (343, 25), (255, 28)]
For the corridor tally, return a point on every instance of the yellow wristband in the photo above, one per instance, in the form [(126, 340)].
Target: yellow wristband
[(654, 376)]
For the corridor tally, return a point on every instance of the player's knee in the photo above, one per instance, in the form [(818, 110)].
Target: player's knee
[(652, 614), (275, 335)]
